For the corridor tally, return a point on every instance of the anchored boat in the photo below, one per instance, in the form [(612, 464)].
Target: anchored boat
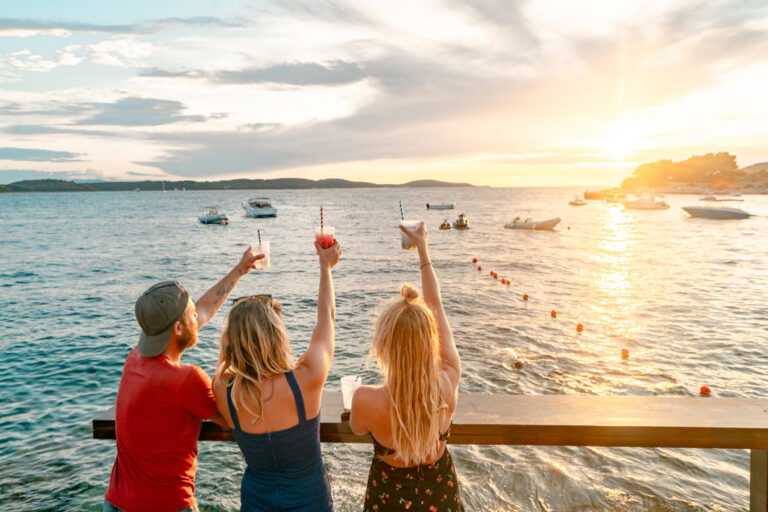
[(442, 206), (461, 222), (646, 203), (716, 212), (529, 223), (259, 207), (212, 215)]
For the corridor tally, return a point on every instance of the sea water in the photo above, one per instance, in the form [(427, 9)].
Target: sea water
[(686, 297)]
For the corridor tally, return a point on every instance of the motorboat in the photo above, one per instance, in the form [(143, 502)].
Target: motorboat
[(717, 199), (441, 206), (716, 212), (212, 215), (445, 224), (594, 194), (529, 223), (577, 201), (461, 222), (616, 198), (259, 207), (645, 203)]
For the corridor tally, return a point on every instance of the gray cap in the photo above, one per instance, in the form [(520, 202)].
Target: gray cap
[(157, 310)]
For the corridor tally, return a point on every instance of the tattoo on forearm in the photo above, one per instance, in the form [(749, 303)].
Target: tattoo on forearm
[(222, 291)]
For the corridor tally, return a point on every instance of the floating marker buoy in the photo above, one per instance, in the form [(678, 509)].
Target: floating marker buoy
[(525, 296), (705, 391), (474, 260), (553, 313), (479, 267), (569, 228), (518, 364), (579, 327), (508, 283), (495, 276), (490, 273), (624, 353)]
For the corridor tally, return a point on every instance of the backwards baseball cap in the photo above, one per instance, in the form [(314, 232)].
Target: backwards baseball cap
[(157, 310)]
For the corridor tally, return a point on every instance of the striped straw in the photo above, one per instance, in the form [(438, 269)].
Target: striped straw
[(258, 232), (321, 220), (402, 215)]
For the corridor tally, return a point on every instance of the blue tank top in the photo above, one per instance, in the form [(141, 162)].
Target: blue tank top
[(285, 469)]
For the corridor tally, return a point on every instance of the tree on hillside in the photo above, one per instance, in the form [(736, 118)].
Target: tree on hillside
[(697, 169)]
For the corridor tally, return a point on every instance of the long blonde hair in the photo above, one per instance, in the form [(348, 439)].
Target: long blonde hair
[(407, 348), (254, 346)]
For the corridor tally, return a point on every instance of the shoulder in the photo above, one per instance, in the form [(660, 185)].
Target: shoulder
[(369, 399), (195, 375)]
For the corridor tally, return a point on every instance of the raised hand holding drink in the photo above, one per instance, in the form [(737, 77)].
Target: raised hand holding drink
[(324, 235), (261, 247), (405, 241)]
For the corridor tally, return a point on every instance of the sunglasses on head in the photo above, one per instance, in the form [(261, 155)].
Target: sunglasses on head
[(263, 297)]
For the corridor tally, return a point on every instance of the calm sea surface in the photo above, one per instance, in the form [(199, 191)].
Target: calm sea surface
[(687, 297)]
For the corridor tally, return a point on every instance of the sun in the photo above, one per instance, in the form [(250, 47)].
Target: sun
[(621, 139)]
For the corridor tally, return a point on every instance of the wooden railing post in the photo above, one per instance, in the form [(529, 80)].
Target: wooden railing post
[(758, 481)]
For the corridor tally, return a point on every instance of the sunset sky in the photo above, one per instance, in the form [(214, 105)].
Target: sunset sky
[(491, 92)]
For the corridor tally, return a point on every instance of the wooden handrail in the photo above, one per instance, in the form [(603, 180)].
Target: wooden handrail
[(576, 420)]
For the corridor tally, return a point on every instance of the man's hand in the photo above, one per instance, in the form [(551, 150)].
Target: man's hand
[(247, 261)]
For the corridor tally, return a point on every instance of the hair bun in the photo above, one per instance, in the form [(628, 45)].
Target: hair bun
[(409, 293)]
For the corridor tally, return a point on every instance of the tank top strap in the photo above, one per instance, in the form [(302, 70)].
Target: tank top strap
[(231, 405), (297, 396)]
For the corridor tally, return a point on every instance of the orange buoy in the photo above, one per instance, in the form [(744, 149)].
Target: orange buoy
[(518, 364), (474, 260), (624, 353), (579, 327), (508, 283), (479, 267), (490, 273), (569, 228), (525, 296), (705, 391), (553, 313), (495, 276)]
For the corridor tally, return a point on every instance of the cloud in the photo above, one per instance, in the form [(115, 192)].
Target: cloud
[(37, 155), (135, 111), (293, 73), (11, 27)]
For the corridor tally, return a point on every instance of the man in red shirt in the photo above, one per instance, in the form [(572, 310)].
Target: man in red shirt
[(161, 402)]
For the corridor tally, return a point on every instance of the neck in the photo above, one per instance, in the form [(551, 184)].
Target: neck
[(173, 353)]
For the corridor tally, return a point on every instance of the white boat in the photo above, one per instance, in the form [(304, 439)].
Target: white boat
[(442, 206), (713, 198), (616, 198), (259, 207), (212, 215), (529, 223), (646, 203), (461, 222), (577, 201), (716, 212)]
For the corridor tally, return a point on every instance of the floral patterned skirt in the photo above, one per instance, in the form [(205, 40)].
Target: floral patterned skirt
[(433, 487)]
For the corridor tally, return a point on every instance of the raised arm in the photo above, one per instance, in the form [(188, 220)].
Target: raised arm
[(320, 352), (449, 355), (211, 301)]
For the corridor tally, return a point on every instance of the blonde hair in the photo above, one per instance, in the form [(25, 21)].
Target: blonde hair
[(254, 345), (407, 347)]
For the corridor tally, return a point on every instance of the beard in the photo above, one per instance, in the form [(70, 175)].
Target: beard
[(188, 338)]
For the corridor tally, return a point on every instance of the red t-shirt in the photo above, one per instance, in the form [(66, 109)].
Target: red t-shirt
[(157, 421)]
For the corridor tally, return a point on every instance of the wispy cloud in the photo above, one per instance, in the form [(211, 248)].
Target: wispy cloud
[(11, 27), (37, 155), (139, 112)]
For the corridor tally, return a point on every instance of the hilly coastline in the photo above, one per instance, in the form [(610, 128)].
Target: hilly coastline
[(239, 184)]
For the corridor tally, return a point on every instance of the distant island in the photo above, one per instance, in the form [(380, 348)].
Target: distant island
[(713, 172), (241, 184)]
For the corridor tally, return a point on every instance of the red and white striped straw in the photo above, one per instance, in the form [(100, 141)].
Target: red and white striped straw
[(321, 220)]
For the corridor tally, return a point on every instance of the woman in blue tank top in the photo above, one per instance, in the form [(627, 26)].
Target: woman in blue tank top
[(272, 403)]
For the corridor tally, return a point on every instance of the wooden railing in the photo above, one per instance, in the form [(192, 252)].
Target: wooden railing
[(576, 420)]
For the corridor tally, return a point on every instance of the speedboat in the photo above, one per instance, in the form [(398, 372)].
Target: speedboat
[(212, 215), (616, 198), (716, 212), (445, 224), (577, 201), (529, 223), (442, 206), (645, 203), (461, 222), (259, 207), (713, 198)]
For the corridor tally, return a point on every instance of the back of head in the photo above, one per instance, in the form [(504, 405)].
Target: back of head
[(406, 346), (255, 344)]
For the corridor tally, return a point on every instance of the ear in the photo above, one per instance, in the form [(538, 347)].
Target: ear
[(178, 329)]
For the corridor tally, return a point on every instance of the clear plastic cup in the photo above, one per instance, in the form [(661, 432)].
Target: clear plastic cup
[(325, 236), (261, 248), (405, 242), (348, 386)]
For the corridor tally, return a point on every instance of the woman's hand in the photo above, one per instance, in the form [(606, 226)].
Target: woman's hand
[(328, 257), (419, 236), (247, 261)]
